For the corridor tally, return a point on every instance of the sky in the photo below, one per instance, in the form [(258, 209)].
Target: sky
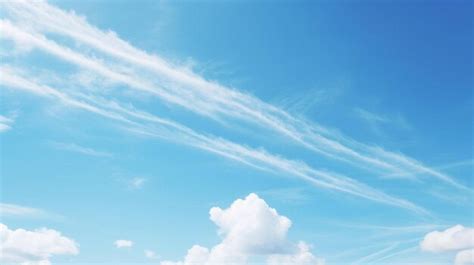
[(236, 132)]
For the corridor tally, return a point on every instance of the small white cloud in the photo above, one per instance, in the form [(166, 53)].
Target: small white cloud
[(5, 123), (4, 127), (137, 183), (151, 254), (33, 247), (122, 243)]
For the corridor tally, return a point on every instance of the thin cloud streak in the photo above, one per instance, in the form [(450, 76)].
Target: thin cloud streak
[(7, 209), (407, 229), (371, 256), (72, 147), (5, 123), (394, 254), (150, 125), (15, 210), (191, 91)]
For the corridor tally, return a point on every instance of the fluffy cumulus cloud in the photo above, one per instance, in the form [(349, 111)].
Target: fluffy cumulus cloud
[(33, 247), (250, 228), (122, 243), (456, 238)]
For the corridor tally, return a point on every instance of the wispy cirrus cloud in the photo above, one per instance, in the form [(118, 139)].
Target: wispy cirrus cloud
[(394, 254), (15, 210), (366, 259), (144, 123), (370, 116), (7, 209), (72, 147), (117, 61), (5, 123), (180, 86)]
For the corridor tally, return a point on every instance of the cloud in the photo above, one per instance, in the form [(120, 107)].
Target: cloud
[(456, 238), (33, 247), (5, 123), (41, 262), (137, 183), (150, 254), (7, 209), (184, 88), (370, 116), (146, 124), (302, 257), (395, 254), (370, 257), (250, 228), (72, 147), (180, 86), (464, 257), (12, 210), (122, 243)]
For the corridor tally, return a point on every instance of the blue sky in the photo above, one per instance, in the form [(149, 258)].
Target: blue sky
[(125, 120)]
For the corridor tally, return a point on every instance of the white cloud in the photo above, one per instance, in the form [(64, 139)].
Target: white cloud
[(150, 254), (7, 209), (33, 247), (302, 257), (122, 243), (41, 262), (180, 86), (4, 127), (137, 183), (5, 123), (250, 228), (456, 238), (138, 122), (464, 257)]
